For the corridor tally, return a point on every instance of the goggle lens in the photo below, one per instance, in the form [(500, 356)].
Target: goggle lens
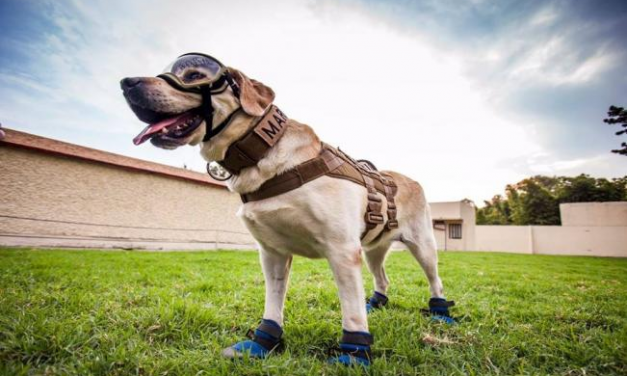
[(195, 69)]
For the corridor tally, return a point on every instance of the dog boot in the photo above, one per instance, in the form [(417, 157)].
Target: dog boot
[(438, 309), (263, 340), (377, 300), (354, 349)]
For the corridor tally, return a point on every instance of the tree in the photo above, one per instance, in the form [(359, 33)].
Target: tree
[(532, 203), (618, 115), (584, 188), (495, 212), (536, 200)]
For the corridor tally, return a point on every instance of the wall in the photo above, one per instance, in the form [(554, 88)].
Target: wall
[(50, 199), (512, 239), (579, 240), (554, 240), (594, 214)]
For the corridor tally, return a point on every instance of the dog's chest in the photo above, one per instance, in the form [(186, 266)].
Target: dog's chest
[(284, 229), (306, 221)]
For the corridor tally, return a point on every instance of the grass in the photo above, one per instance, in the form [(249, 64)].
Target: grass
[(140, 313)]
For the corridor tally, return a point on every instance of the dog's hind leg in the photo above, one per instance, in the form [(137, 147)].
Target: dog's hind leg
[(356, 340), (276, 268), (375, 259), (421, 243)]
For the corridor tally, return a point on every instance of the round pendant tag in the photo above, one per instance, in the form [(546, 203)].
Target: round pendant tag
[(218, 172)]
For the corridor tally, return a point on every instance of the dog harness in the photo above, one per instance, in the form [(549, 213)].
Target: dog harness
[(249, 149)]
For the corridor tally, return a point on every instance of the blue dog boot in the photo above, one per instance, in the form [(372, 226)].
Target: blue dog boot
[(263, 340), (376, 301), (438, 309), (354, 349)]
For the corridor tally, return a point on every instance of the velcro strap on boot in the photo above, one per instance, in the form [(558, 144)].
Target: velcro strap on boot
[(268, 334), (378, 300), (439, 306), (356, 344), (439, 302)]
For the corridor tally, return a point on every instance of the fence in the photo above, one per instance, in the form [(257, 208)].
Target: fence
[(609, 241)]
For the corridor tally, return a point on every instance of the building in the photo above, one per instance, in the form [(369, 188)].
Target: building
[(55, 194), (454, 224), (589, 229)]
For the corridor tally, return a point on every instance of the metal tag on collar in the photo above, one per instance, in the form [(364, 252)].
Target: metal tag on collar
[(218, 172)]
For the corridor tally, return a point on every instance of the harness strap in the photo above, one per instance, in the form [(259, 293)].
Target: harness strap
[(390, 191), (336, 164), (303, 173), (373, 214), (253, 146)]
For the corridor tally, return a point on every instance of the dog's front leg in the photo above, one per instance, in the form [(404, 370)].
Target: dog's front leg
[(267, 336), (356, 340), (276, 269)]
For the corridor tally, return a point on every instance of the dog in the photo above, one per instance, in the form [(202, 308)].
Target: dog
[(205, 103)]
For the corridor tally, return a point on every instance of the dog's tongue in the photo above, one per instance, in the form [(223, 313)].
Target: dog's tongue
[(152, 129)]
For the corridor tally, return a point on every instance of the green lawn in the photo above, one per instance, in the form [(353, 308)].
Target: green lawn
[(141, 313)]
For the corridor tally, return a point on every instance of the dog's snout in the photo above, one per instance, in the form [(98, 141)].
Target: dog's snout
[(130, 82)]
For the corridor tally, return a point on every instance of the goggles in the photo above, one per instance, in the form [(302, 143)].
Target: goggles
[(205, 75), (196, 72)]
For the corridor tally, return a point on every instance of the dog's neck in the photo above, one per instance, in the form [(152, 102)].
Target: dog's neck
[(298, 144)]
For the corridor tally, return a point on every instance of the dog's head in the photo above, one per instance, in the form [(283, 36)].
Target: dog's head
[(173, 107)]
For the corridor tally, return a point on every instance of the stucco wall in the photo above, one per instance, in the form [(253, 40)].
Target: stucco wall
[(109, 206), (607, 241), (594, 214), (512, 239)]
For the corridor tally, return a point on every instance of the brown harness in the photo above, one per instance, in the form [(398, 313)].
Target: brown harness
[(254, 145)]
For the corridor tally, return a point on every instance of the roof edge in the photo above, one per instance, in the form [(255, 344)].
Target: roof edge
[(47, 145)]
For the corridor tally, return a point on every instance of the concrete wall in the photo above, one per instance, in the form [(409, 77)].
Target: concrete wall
[(594, 214), (607, 241), (579, 240), (55, 200), (512, 239)]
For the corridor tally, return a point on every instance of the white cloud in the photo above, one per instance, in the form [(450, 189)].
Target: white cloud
[(393, 97)]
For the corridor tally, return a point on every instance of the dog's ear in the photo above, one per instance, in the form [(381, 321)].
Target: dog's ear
[(254, 96)]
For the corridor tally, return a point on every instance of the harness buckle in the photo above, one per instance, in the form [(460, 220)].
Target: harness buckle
[(392, 223), (374, 218)]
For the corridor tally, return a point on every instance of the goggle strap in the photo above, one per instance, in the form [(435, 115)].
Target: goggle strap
[(232, 83), (207, 108)]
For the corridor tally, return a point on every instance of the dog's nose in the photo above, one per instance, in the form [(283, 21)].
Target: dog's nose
[(130, 82)]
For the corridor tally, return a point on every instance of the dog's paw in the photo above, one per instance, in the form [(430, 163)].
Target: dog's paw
[(439, 310), (265, 339), (349, 360), (249, 347), (354, 349), (443, 319), (376, 301)]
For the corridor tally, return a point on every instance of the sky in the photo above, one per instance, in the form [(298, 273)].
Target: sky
[(462, 96)]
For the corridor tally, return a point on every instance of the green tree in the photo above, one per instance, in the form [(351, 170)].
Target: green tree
[(535, 200), (495, 212), (532, 203), (618, 115), (584, 188)]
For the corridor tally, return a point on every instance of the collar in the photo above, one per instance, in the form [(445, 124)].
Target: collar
[(249, 149)]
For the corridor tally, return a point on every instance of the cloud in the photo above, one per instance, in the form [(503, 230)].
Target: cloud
[(462, 96)]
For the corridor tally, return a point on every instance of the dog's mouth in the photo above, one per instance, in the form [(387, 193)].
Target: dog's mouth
[(171, 128)]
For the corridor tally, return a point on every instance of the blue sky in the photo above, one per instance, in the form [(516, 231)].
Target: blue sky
[(463, 96)]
